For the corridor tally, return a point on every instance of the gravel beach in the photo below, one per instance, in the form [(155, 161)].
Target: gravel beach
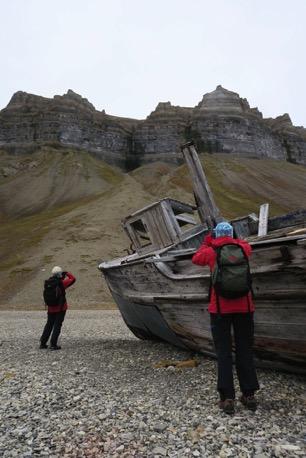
[(100, 396)]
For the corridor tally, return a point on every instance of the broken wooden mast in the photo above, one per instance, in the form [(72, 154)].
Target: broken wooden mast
[(207, 208)]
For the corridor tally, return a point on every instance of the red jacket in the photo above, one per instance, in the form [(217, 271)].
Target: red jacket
[(66, 282), (206, 255)]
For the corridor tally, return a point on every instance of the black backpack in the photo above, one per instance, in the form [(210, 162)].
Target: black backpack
[(231, 277), (54, 292)]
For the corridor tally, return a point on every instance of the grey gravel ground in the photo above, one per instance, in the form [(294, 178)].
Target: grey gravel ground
[(100, 396)]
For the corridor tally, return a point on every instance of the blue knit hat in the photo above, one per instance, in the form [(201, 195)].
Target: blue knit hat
[(223, 230)]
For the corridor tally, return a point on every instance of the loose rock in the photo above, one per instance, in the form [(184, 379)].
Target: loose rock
[(101, 395)]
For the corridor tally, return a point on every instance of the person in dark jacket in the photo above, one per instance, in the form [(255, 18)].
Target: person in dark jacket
[(227, 313), (57, 312)]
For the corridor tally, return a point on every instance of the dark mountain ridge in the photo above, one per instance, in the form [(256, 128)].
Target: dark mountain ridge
[(222, 122)]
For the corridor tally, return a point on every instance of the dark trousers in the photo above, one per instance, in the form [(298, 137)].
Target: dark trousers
[(54, 325), (243, 326)]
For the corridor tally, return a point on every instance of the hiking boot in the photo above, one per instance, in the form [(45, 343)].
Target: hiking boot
[(228, 406), (55, 347), (249, 402), (43, 346)]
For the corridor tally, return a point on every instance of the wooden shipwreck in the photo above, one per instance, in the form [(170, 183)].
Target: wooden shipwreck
[(162, 295)]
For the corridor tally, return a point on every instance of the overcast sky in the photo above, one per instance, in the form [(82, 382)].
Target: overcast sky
[(125, 56)]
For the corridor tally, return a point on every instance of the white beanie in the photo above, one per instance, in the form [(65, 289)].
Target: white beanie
[(57, 271)]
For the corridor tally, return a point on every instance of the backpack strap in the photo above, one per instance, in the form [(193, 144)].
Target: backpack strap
[(250, 280), (218, 254), (249, 305), (218, 304)]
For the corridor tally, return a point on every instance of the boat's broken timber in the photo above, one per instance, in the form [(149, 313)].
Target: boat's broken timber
[(162, 295)]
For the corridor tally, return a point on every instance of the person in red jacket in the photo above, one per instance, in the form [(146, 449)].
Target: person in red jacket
[(227, 313), (56, 313)]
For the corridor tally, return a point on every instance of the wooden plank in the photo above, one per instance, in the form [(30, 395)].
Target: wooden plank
[(167, 297), (241, 227), (168, 273), (182, 251), (208, 210), (301, 230), (170, 221), (132, 236), (290, 219), (136, 215), (186, 219), (277, 234), (277, 240), (145, 239), (171, 258), (158, 229), (180, 207), (245, 226), (184, 207), (263, 220)]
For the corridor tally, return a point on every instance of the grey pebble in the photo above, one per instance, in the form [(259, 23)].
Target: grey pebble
[(101, 396), (160, 427), (159, 451)]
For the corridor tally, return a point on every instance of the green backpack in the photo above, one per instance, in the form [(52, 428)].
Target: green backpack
[(231, 277)]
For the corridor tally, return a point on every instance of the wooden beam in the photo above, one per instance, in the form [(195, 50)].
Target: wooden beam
[(297, 217), (276, 240), (263, 220), (207, 208), (186, 219)]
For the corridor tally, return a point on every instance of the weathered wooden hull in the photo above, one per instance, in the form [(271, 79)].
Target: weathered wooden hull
[(168, 300)]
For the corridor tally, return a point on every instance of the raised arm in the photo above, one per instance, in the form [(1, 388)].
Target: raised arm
[(68, 280)]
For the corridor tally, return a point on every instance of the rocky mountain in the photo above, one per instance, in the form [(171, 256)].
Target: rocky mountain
[(222, 122)]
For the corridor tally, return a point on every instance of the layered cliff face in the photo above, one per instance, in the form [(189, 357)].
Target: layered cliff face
[(222, 122), (70, 120), (225, 123), (161, 134)]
